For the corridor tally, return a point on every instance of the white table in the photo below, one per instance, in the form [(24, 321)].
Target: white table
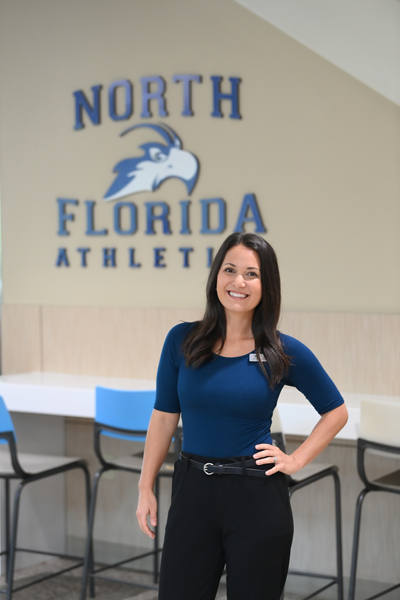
[(60, 394), (74, 396)]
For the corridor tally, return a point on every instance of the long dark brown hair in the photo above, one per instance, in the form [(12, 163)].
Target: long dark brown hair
[(203, 337)]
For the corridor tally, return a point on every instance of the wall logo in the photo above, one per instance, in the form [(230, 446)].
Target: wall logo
[(162, 157), (159, 162)]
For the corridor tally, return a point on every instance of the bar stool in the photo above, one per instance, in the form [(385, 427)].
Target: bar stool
[(28, 468), (306, 476), (122, 414), (379, 434)]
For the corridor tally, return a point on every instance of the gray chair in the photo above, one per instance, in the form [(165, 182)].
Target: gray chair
[(28, 468), (379, 434), (310, 474)]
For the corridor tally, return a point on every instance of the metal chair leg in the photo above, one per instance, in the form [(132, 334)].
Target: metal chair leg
[(88, 504), (356, 539), (339, 553), (13, 541), (89, 555), (7, 524)]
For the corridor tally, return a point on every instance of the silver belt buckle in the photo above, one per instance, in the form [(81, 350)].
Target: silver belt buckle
[(205, 468)]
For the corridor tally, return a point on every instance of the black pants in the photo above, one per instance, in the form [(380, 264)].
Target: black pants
[(215, 520)]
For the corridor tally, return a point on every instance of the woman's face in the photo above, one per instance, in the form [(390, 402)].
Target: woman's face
[(239, 280)]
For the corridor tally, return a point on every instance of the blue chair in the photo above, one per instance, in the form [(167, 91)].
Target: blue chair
[(28, 468), (125, 415)]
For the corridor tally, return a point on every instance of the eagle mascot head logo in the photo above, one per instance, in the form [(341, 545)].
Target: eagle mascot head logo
[(158, 163)]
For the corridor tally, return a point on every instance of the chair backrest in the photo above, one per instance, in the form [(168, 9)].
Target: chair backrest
[(6, 424), (380, 422), (126, 410), (379, 434), (7, 436)]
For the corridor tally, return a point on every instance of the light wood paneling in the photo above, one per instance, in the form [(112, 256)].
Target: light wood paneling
[(21, 342), (120, 342), (361, 352)]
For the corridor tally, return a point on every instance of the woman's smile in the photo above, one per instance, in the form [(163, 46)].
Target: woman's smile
[(237, 295)]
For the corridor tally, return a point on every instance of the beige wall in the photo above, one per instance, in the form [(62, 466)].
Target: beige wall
[(318, 149)]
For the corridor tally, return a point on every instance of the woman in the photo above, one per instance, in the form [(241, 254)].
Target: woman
[(224, 374)]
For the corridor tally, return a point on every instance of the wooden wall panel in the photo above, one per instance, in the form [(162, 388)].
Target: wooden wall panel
[(21, 339), (116, 342), (361, 352)]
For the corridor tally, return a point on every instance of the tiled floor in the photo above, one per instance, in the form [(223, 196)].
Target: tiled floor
[(68, 587)]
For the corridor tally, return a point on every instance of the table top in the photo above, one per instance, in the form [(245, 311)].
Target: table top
[(74, 396)]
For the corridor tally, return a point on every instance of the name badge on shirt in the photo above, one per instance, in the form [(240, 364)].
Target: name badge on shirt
[(253, 357)]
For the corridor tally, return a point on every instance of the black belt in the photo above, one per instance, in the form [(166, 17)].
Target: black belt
[(237, 468)]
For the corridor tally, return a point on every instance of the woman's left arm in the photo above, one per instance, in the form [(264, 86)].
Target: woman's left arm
[(323, 433)]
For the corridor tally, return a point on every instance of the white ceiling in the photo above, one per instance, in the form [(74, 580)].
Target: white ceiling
[(362, 37)]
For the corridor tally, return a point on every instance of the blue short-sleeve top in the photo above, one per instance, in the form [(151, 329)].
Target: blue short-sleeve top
[(227, 403)]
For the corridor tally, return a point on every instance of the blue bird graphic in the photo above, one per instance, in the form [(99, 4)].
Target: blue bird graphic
[(158, 163)]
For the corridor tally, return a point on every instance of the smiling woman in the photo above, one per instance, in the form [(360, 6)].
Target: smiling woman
[(258, 320), (224, 374)]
